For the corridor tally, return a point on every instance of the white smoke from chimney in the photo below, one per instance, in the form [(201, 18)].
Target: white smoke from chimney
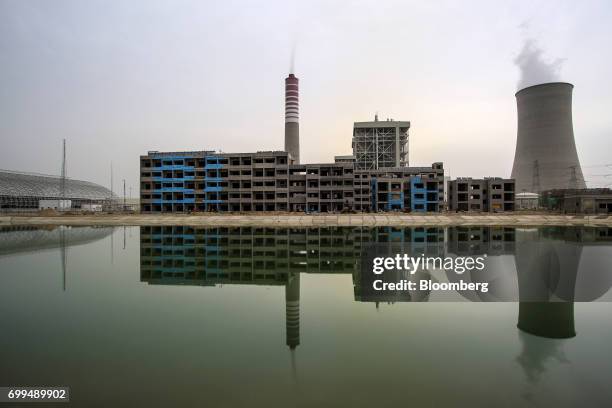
[(534, 68), (292, 57)]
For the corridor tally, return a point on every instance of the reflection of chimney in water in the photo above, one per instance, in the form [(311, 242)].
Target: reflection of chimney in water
[(292, 310)]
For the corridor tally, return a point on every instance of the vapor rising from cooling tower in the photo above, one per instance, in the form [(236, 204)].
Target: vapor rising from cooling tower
[(534, 69), (545, 156), (292, 106)]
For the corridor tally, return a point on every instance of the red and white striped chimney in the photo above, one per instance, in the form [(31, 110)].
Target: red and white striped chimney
[(292, 108)]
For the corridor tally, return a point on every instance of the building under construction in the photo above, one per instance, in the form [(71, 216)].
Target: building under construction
[(491, 194), (205, 181)]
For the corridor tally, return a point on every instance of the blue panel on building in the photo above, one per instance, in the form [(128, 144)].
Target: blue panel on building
[(418, 195)]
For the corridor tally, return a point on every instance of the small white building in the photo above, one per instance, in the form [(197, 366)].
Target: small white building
[(91, 207), (527, 201), (54, 204)]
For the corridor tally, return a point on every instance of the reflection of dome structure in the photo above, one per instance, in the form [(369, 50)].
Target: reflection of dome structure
[(17, 239)]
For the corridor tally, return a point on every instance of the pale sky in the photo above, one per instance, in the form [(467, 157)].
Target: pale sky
[(119, 78)]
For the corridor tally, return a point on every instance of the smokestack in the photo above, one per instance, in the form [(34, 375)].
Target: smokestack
[(292, 126), (545, 156)]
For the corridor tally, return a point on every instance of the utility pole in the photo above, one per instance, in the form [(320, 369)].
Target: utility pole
[(63, 178), (111, 204), (124, 195)]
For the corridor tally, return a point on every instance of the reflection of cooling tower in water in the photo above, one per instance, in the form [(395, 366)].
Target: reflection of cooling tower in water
[(292, 310), (546, 272), (554, 320), (545, 156)]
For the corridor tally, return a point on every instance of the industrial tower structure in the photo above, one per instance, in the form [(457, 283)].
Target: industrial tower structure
[(546, 157), (292, 125), (380, 144)]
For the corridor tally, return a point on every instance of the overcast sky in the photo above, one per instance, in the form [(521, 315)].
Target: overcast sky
[(119, 78)]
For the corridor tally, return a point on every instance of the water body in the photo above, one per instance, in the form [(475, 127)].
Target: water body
[(229, 317)]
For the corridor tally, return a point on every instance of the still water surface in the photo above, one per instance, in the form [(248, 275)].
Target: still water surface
[(179, 316)]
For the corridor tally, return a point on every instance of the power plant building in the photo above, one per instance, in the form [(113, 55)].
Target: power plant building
[(585, 201), (374, 178), (380, 144), (202, 181), (546, 156)]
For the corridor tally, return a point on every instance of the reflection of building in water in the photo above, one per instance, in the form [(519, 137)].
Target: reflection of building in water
[(428, 241), (245, 255), (208, 256), (265, 256), (19, 239), (471, 240), (277, 256)]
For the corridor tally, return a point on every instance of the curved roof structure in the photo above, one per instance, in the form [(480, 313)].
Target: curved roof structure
[(15, 184)]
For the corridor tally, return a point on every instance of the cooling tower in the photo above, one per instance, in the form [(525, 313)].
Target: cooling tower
[(292, 126), (545, 156)]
